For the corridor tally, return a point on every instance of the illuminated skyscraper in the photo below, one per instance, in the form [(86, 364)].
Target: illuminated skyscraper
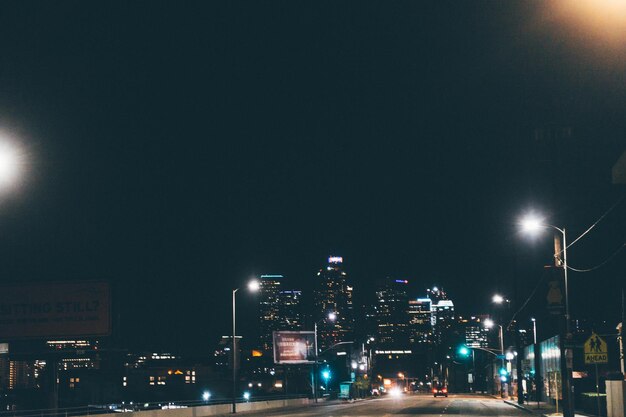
[(290, 310), (420, 321), (392, 318), (269, 305), (333, 294), (476, 334)]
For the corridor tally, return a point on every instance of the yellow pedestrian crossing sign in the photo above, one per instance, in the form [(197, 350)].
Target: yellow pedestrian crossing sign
[(596, 350)]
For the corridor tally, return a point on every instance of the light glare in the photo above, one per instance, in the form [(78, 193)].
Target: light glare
[(531, 224), (9, 164), (489, 323), (254, 285)]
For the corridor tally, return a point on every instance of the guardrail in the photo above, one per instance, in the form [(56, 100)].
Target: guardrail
[(127, 407)]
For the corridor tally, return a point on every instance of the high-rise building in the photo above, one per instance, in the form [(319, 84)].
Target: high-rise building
[(420, 321), (436, 294), (443, 314), (443, 317), (333, 294), (269, 302), (290, 310), (392, 318), (476, 334)]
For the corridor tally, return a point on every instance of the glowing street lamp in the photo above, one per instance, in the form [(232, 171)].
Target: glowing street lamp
[(10, 164), (532, 224), (253, 286), (332, 316), (498, 299)]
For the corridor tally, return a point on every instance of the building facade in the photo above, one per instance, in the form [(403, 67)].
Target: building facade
[(392, 314), (269, 309), (333, 294)]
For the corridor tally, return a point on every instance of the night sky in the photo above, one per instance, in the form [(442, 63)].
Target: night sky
[(177, 149)]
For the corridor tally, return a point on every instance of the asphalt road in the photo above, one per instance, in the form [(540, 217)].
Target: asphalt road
[(406, 405)]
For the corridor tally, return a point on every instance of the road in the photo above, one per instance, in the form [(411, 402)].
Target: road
[(406, 405)]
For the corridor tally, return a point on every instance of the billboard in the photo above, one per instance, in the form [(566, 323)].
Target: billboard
[(294, 347), (57, 309)]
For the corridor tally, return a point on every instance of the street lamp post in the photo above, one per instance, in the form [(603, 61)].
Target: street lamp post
[(252, 286), (332, 317), (489, 324), (533, 224)]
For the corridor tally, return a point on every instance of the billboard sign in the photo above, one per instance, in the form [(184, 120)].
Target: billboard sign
[(294, 347), (57, 309)]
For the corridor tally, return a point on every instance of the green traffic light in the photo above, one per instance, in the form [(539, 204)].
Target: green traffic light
[(463, 351)]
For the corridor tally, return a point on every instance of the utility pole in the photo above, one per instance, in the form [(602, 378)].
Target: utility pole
[(621, 339)]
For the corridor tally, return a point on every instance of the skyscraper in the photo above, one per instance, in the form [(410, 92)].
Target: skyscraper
[(476, 334), (290, 310), (333, 294), (392, 318), (420, 321), (269, 304)]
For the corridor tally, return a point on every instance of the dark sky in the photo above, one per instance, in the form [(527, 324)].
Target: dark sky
[(178, 149)]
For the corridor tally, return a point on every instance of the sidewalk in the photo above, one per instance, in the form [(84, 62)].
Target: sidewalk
[(543, 409)]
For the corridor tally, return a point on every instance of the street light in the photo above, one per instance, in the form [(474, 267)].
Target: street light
[(489, 324), (533, 224), (253, 286), (332, 316), (10, 164)]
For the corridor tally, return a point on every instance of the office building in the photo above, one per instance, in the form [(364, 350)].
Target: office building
[(290, 310), (333, 294), (392, 318), (420, 321), (269, 304)]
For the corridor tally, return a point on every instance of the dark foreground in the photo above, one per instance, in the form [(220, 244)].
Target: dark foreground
[(406, 405)]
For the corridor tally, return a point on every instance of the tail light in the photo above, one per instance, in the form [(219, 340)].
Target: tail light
[(434, 390), (445, 390)]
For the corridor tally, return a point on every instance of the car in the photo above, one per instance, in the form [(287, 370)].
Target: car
[(440, 391)]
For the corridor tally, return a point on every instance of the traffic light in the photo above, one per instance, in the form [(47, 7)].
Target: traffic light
[(326, 374), (504, 374), (463, 351)]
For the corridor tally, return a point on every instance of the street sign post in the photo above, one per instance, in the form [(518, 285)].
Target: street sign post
[(596, 350)]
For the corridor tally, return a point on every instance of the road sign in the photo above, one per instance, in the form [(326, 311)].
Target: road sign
[(596, 350)]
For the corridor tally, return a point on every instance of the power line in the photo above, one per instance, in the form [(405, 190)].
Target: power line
[(596, 222), (613, 255)]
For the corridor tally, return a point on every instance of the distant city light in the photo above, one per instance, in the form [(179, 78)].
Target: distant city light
[(489, 323), (332, 316), (402, 281), (435, 289), (246, 395), (206, 395), (335, 260)]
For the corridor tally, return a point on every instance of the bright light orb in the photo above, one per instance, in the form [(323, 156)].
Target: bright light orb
[(531, 224), (489, 323), (254, 285), (332, 316), (498, 299), (10, 162), (206, 395)]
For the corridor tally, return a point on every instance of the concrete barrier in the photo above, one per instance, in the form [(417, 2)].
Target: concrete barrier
[(616, 398), (212, 410)]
